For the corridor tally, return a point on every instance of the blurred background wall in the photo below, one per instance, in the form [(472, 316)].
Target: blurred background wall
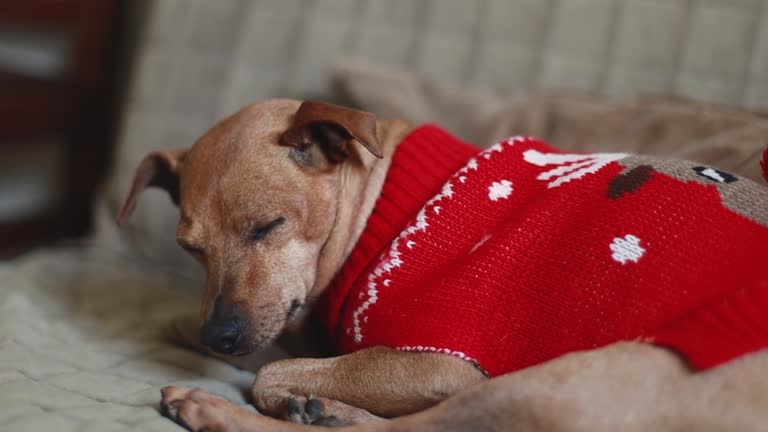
[(170, 68), (61, 65)]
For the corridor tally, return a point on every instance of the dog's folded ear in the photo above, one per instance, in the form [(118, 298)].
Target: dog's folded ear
[(160, 169), (333, 129)]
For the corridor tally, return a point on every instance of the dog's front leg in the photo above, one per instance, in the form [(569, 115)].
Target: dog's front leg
[(627, 386), (381, 381)]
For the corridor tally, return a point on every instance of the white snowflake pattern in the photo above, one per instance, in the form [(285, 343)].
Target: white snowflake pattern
[(626, 249), (500, 190), (498, 147), (519, 139)]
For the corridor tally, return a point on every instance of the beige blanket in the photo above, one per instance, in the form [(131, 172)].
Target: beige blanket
[(83, 344), (729, 138)]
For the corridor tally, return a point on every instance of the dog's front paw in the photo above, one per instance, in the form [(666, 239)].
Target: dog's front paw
[(323, 412), (198, 410)]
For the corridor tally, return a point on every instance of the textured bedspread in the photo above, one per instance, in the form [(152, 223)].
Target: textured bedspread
[(83, 344)]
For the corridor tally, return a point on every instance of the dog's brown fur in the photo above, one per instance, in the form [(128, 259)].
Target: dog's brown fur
[(302, 162), (628, 386)]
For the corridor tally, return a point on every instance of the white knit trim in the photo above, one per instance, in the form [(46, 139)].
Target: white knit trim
[(392, 259), (517, 139), (431, 349)]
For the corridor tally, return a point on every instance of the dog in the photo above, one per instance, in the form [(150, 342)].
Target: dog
[(279, 198)]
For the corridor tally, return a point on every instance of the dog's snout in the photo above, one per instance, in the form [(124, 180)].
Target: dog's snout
[(222, 335)]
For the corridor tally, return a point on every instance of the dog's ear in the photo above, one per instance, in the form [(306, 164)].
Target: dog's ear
[(332, 129), (161, 169)]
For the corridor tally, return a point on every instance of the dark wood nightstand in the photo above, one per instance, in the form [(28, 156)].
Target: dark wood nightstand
[(58, 98)]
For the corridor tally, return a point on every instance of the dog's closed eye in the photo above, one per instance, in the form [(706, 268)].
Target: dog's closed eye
[(258, 232), (194, 250)]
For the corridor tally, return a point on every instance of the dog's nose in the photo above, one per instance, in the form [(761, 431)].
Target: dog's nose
[(222, 335)]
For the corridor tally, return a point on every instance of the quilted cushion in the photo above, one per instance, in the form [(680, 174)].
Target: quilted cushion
[(84, 343), (728, 138), (199, 59)]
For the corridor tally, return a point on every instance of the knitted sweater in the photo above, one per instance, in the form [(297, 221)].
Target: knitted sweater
[(515, 255)]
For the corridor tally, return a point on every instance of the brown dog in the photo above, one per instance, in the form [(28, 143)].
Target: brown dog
[(272, 201)]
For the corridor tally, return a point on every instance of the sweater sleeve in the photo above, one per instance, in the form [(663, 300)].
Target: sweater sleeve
[(730, 326)]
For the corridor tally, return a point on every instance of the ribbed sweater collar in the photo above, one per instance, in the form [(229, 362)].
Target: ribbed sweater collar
[(420, 166)]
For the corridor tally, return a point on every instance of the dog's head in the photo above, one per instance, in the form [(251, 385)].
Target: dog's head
[(258, 196)]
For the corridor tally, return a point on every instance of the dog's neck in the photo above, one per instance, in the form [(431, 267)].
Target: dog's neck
[(360, 185)]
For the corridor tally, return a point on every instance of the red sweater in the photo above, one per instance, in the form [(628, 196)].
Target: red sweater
[(515, 255)]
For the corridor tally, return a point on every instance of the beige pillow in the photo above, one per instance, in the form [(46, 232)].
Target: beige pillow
[(727, 138), (730, 139)]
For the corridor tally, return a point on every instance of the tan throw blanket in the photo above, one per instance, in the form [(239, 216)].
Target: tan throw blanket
[(83, 344)]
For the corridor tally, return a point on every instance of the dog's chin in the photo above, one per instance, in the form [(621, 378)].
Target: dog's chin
[(259, 343), (251, 349), (261, 333)]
